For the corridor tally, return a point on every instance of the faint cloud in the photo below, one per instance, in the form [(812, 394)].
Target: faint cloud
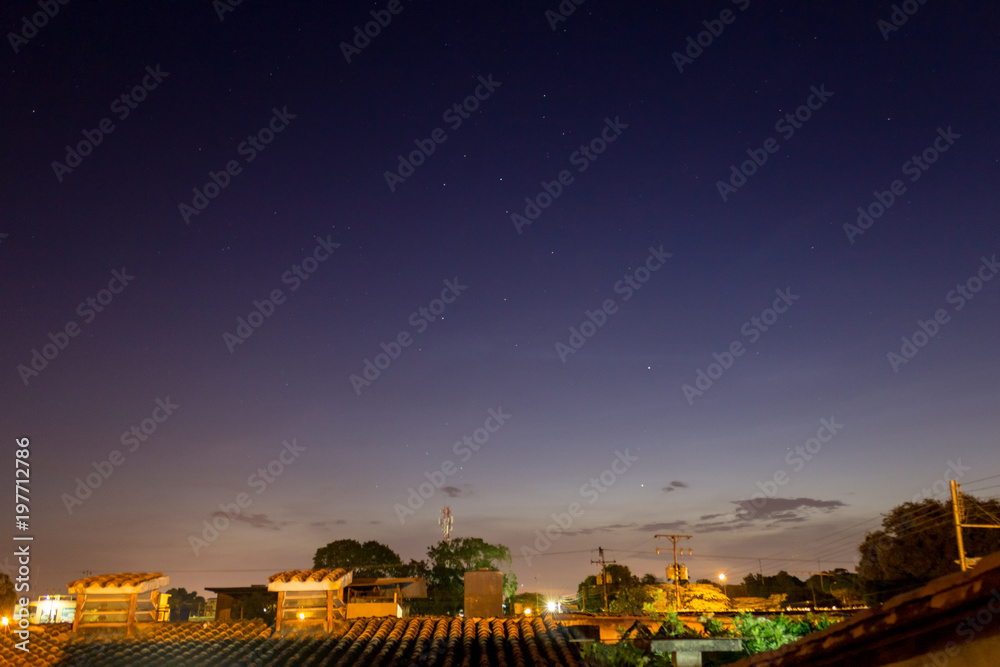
[(255, 520), (673, 486), (782, 509), (599, 529), (671, 525)]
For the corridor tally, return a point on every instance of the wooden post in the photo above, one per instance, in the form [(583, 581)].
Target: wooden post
[(130, 620), (81, 599), (955, 500), (329, 610), (281, 610)]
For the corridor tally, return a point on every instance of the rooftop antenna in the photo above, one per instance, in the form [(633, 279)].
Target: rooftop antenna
[(446, 522)]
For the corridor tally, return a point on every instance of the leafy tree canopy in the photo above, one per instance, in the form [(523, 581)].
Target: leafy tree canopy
[(917, 543), (450, 562), (8, 595), (183, 603), (371, 559)]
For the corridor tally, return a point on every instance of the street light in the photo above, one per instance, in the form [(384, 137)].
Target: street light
[(725, 587)]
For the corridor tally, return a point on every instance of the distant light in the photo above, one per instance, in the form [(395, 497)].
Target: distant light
[(527, 611), (722, 576), (551, 606), (302, 616), (5, 621)]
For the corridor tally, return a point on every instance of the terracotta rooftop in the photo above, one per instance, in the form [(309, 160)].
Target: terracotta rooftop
[(374, 642), (307, 575), (120, 580)]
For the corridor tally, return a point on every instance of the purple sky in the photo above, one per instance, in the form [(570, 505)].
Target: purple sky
[(617, 289)]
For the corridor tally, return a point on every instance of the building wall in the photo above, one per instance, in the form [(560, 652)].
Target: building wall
[(369, 609), (483, 594)]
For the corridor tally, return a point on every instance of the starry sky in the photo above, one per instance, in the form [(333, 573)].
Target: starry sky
[(276, 274)]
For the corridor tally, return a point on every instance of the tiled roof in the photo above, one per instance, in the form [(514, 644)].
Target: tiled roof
[(120, 580), (372, 642), (307, 575)]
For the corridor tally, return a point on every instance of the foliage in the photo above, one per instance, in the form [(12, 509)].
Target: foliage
[(7, 595), (696, 597), (620, 580), (256, 605), (449, 563), (917, 543), (630, 600), (622, 654), (184, 604), (714, 627), (648, 580), (371, 559), (766, 634), (673, 627)]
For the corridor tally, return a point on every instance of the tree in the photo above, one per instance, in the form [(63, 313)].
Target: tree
[(450, 562), (794, 589), (7, 595), (648, 580), (630, 599), (621, 583), (256, 605), (184, 604), (371, 559), (917, 543)]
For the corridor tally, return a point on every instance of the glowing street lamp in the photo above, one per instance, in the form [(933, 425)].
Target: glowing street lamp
[(725, 586)]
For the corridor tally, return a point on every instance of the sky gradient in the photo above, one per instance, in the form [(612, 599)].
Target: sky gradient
[(573, 274)]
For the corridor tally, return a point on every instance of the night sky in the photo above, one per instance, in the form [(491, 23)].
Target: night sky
[(600, 274)]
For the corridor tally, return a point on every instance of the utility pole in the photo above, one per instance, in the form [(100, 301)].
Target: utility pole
[(956, 510), (677, 572), (604, 575)]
